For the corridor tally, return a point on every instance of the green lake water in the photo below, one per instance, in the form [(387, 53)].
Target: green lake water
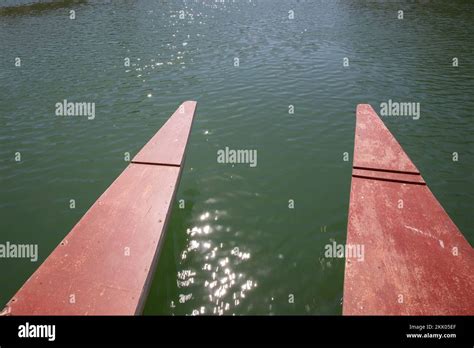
[(236, 247)]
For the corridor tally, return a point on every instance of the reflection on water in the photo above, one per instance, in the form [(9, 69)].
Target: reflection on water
[(216, 265), (32, 7)]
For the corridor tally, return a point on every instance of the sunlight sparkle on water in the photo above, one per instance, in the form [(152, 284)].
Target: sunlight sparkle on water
[(226, 289)]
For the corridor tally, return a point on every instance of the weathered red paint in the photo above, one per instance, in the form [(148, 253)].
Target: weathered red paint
[(105, 264), (388, 176), (169, 143), (416, 261), (374, 145)]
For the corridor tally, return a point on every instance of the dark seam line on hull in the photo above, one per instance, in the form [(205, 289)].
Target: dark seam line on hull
[(386, 170), (389, 180), (157, 164)]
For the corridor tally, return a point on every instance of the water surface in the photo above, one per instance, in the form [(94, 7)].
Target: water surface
[(236, 247)]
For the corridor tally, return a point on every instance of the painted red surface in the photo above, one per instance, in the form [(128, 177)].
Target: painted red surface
[(416, 261), (169, 143), (104, 265), (374, 145), (388, 176)]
